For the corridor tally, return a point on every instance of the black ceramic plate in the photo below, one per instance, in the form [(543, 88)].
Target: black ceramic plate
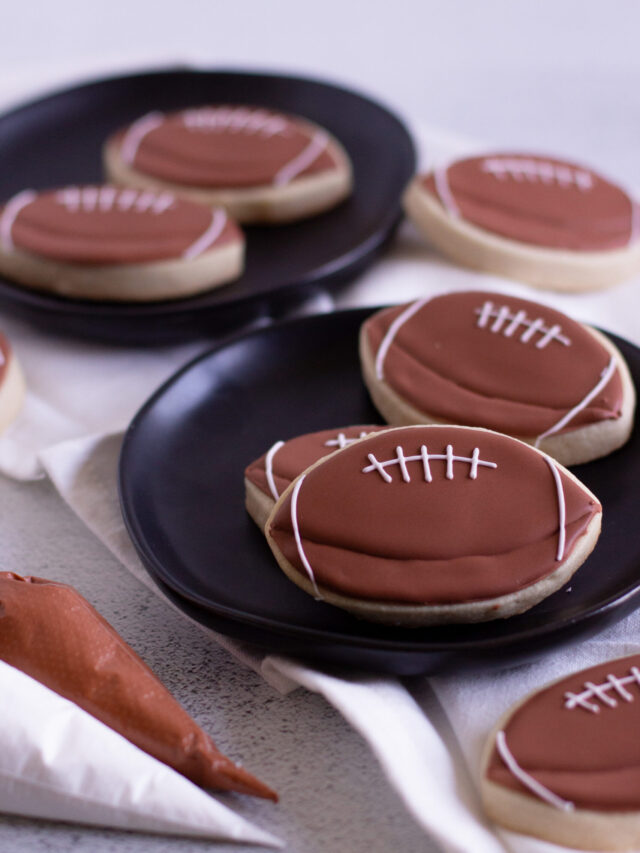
[(57, 141), (181, 482)]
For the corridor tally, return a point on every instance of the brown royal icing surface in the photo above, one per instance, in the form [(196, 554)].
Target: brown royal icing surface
[(51, 633), (105, 225), (443, 362), (225, 146), (588, 757), (296, 455), (448, 540), (5, 356), (538, 200)]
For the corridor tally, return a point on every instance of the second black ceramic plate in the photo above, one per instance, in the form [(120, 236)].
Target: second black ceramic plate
[(57, 141), (181, 482)]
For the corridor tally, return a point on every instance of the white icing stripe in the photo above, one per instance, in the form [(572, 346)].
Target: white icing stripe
[(528, 781), (424, 456), (392, 331), (136, 133), (444, 191), (268, 468), (9, 215), (238, 120), (218, 221), (296, 534), (520, 169), (599, 691), (341, 440), (561, 508), (606, 375), (303, 160)]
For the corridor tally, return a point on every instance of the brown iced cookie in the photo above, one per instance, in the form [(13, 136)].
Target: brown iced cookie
[(539, 219), (424, 525), (12, 386), (50, 632), (507, 364), (261, 165), (267, 477), (103, 242), (564, 763)]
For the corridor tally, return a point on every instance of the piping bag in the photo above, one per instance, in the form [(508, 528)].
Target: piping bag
[(51, 633)]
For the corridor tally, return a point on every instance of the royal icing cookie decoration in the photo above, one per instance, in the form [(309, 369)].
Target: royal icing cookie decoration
[(269, 476), (538, 200), (127, 244), (107, 225), (51, 633), (225, 147), (532, 218), (262, 165), (373, 522), (571, 747), (499, 362)]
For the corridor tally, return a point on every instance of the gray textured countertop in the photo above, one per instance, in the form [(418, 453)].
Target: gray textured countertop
[(333, 794)]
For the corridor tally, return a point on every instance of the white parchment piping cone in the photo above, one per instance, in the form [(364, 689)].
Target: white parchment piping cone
[(60, 763)]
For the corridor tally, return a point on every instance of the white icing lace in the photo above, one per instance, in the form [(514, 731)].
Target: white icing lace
[(425, 458), (235, 119), (602, 692), (341, 440), (503, 315), (90, 199), (537, 171)]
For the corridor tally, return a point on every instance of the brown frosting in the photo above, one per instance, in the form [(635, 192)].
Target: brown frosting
[(50, 632), (297, 454), (5, 356), (106, 225), (586, 757), (225, 147), (538, 200), (444, 541), (447, 365)]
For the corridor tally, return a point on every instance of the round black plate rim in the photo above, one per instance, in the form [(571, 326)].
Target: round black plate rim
[(175, 308), (158, 571)]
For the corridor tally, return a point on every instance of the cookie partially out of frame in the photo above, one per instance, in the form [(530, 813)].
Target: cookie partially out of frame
[(267, 477), (545, 221), (262, 166), (102, 242), (427, 525), (508, 364), (12, 386), (564, 763)]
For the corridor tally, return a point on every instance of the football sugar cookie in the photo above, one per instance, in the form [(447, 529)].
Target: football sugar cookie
[(564, 763), (426, 525), (518, 367), (12, 385), (101, 242), (262, 166), (266, 478), (537, 219)]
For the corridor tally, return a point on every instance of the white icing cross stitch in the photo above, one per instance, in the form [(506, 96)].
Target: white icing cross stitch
[(502, 315), (341, 440), (601, 691), (236, 119), (520, 169), (90, 199), (425, 458)]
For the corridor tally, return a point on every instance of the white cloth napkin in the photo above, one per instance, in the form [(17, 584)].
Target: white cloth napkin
[(44, 772), (427, 741)]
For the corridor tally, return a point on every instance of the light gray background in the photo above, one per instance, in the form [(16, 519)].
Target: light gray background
[(560, 76)]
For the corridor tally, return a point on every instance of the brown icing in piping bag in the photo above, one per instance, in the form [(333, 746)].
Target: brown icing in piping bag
[(50, 632)]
